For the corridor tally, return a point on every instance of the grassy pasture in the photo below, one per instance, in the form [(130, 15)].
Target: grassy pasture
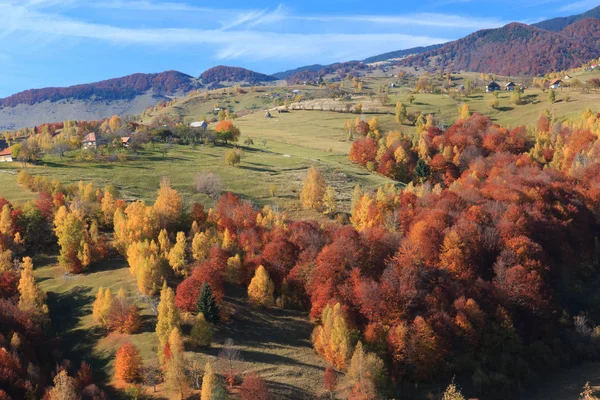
[(273, 343), (11, 190), (291, 147)]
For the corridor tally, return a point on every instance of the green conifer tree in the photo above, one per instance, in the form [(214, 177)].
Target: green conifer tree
[(207, 305)]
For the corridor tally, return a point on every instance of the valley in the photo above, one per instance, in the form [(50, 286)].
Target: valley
[(421, 224)]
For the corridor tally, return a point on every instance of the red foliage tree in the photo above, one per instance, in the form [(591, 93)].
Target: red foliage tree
[(330, 379), (254, 388), (363, 150)]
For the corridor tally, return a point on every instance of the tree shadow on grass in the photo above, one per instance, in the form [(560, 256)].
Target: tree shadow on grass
[(167, 158), (273, 359), (257, 326), (257, 169), (285, 391), (148, 323), (60, 165), (108, 264), (505, 109), (77, 343)]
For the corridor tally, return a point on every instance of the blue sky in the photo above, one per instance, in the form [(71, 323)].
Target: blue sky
[(66, 42)]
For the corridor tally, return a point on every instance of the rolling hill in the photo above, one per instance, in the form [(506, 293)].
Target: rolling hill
[(131, 94), (290, 72), (338, 70), (221, 74), (125, 88), (516, 49), (400, 53)]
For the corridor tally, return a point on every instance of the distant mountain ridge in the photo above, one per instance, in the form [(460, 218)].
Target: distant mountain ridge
[(125, 88), (516, 49), (311, 72), (558, 24)]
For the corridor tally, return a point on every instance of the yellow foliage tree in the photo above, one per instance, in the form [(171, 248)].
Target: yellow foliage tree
[(313, 189), (164, 243), (366, 213), (177, 259), (138, 222), (168, 205), (209, 383), (201, 245), (31, 298), (202, 331), (175, 368), (365, 370), (168, 317), (146, 264), (103, 305), (261, 288), (108, 207), (71, 231), (65, 388), (6, 257), (227, 240), (97, 306), (332, 338), (464, 112), (234, 270), (6, 221), (329, 203), (356, 195)]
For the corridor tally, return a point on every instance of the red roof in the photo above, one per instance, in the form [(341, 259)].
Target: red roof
[(6, 152), (90, 137), (125, 139)]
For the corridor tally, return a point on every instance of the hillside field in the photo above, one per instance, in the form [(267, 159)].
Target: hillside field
[(294, 142)]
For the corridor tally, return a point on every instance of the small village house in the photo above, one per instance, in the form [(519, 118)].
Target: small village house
[(6, 155), (125, 140), (199, 124), (89, 141), (510, 86), (492, 87), (555, 84)]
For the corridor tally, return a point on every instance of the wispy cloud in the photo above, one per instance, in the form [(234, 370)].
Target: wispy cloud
[(421, 19), (143, 5), (234, 40), (577, 6), (255, 18)]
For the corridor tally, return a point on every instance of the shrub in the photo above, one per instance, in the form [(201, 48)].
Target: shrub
[(209, 184)]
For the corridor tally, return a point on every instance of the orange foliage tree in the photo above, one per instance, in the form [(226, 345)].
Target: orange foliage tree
[(128, 363)]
